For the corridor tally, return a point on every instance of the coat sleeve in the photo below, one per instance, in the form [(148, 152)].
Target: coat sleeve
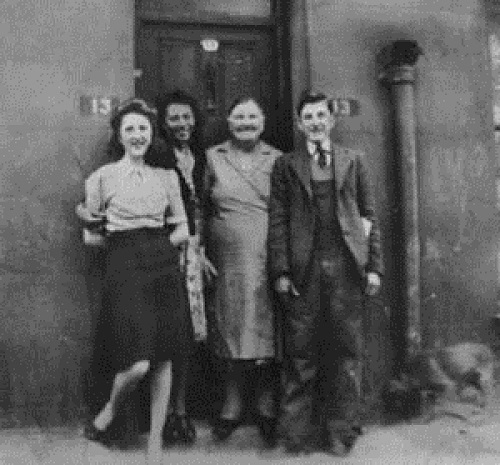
[(366, 205), (278, 230)]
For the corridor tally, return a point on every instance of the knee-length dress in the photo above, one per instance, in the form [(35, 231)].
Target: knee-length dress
[(144, 314), (239, 311)]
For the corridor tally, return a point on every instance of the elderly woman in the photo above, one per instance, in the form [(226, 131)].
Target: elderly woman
[(146, 318), (240, 314)]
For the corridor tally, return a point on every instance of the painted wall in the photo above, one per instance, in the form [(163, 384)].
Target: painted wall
[(455, 143), (52, 53)]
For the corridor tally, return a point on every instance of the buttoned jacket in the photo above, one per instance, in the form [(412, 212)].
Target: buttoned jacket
[(292, 218)]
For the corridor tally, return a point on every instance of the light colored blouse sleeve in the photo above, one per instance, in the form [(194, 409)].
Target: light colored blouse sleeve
[(176, 210), (94, 201)]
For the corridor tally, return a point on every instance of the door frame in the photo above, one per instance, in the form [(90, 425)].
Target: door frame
[(278, 27)]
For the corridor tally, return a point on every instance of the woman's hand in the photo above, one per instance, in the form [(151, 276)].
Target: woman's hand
[(180, 234), (89, 219), (209, 270)]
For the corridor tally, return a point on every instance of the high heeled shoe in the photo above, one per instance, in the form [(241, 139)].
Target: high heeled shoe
[(224, 427), (178, 429), (92, 433)]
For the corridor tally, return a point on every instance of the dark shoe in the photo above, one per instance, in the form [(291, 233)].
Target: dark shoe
[(297, 449), (267, 430), (342, 445), (91, 433), (168, 433), (224, 427), (178, 429), (337, 448)]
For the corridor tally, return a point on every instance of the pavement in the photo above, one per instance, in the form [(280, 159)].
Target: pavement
[(459, 435)]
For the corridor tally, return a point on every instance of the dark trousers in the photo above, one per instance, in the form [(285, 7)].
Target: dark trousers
[(323, 351)]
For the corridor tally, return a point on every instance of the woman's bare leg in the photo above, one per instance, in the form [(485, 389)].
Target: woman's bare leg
[(161, 384), (123, 381)]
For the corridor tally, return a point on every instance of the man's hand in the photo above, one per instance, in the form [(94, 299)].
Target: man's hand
[(372, 283), (367, 226), (284, 285)]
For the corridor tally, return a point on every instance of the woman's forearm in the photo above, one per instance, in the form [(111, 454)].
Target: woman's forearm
[(180, 234)]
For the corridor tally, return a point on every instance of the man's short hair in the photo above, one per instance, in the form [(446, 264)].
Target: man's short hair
[(309, 96)]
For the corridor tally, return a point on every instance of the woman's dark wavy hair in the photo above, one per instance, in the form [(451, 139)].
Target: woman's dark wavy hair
[(182, 98), (133, 105)]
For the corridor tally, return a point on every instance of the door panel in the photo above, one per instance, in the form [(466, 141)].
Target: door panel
[(172, 57)]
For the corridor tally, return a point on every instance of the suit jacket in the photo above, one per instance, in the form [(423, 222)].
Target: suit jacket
[(292, 219), (164, 156)]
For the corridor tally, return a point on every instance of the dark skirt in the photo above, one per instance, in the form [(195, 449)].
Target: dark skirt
[(145, 315)]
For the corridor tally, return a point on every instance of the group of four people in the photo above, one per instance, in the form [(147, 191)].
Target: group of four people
[(287, 245)]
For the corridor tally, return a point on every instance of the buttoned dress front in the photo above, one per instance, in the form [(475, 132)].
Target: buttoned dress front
[(240, 316)]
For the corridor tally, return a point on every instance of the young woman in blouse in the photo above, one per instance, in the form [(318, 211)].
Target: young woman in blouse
[(146, 315)]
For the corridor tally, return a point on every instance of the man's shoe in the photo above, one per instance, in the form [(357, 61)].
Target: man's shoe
[(343, 444), (337, 448), (294, 448), (299, 449)]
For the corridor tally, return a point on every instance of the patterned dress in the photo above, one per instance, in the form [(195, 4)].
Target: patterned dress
[(193, 253), (240, 315)]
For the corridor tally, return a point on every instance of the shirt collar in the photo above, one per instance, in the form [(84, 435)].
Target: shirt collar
[(131, 168), (327, 147), (326, 144)]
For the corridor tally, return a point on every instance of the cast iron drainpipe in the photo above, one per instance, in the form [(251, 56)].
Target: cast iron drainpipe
[(398, 61)]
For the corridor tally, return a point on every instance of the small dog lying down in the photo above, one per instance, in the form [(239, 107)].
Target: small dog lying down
[(450, 373)]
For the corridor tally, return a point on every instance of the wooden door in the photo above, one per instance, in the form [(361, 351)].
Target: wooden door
[(215, 65)]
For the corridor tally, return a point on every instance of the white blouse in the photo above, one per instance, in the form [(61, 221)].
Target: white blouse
[(132, 197)]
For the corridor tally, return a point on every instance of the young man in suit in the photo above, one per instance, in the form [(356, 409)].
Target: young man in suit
[(325, 257)]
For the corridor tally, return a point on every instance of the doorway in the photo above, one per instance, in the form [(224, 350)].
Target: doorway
[(216, 64)]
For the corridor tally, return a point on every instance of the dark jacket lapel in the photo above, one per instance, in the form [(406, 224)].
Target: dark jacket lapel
[(342, 160), (301, 164)]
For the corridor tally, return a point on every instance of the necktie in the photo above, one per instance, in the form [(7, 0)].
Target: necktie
[(321, 155)]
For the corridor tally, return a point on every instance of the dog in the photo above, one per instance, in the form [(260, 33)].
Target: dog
[(462, 372)]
